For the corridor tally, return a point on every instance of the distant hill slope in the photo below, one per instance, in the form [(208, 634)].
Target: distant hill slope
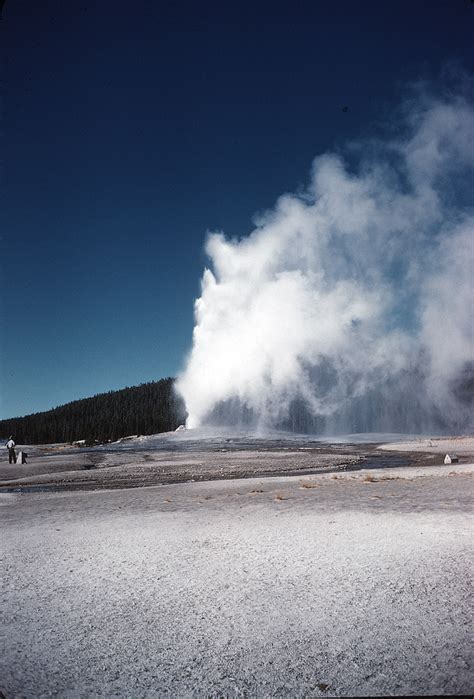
[(146, 409)]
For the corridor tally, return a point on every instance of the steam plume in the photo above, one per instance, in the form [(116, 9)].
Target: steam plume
[(348, 307)]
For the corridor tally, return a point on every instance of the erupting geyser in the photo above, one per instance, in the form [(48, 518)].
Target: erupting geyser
[(348, 308)]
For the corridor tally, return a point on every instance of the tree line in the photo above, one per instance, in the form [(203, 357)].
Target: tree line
[(145, 409)]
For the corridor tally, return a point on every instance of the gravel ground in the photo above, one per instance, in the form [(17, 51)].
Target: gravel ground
[(312, 586), (137, 468), (175, 458)]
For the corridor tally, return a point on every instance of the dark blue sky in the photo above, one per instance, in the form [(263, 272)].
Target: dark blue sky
[(130, 129)]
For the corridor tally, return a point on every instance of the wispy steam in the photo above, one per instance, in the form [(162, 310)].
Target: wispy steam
[(350, 302)]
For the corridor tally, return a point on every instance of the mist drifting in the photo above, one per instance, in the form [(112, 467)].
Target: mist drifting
[(348, 308)]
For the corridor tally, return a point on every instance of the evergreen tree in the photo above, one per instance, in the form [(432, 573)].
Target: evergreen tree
[(146, 409)]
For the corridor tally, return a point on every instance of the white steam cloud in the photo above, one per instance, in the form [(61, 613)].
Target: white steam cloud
[(348, 308)]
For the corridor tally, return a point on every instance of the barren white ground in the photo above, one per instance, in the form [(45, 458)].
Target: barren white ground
[(434, 445), (355, 584)]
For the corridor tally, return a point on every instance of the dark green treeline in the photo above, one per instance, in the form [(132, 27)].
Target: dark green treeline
[(146, 409)]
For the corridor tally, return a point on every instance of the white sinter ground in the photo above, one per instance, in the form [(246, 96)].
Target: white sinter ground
[(342, 584)]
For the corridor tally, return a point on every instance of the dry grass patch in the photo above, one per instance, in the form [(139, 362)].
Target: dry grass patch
[(369, 478), (310, 485), (280, 497)]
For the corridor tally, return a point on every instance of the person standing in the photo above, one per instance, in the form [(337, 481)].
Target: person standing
[(11, 451)]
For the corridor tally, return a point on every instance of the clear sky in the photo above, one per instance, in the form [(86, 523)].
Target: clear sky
[(129, 129)]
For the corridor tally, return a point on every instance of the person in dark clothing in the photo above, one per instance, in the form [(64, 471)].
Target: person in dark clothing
[(11, 451)]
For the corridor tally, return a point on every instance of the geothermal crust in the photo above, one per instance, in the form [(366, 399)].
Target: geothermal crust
[(302, 586), (179, 457), (339, 583)]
